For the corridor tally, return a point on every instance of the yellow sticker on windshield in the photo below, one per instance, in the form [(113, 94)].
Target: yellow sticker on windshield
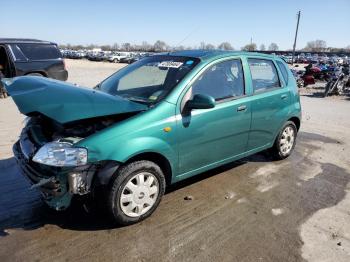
[(153, 97)]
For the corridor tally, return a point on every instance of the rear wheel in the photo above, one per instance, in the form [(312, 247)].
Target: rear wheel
[(285, 141), (136, 192), (34, 74)]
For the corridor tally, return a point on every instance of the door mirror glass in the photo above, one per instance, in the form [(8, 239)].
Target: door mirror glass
[(201, 101)]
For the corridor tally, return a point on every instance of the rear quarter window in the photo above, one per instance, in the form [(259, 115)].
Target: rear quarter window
[(283, 70), (39, 51), (264, 74)]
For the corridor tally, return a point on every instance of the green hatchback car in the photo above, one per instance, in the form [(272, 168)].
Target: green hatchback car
[(155, 122)]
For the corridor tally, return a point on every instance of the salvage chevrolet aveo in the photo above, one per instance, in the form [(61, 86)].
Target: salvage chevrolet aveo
[(153, 123)]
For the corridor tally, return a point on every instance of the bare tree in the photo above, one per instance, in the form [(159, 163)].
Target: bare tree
[(160, 46), (145, 46), (91, 46), (106, 47), (262, 47), (126, 46), (202, 45), (179, 48), (273, 47), (316, 46), (225, 46), (209, 46), (250, 47), (115, 47)]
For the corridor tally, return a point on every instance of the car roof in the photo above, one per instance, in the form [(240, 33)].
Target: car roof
[(215, 54), (23, 40)]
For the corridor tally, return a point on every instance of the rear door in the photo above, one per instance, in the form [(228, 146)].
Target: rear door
[(269, 102)]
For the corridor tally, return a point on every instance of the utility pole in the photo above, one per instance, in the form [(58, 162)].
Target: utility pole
[(296, 36)]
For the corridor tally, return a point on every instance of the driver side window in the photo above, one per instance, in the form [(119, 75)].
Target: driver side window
[(221, 81)]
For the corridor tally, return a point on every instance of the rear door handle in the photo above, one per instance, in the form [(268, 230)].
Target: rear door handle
[(284, 96), (241, 108)]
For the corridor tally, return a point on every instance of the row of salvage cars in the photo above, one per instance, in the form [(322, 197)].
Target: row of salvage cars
[(110, 56)]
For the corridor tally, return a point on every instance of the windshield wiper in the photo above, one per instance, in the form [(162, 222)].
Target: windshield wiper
[(136, 99)]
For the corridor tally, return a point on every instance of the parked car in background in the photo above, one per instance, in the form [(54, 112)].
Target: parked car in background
[(73, 54), (116, 57), (99, 56), (153, 123), (31, 57)]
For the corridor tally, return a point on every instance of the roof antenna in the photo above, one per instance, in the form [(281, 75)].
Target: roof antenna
[(194, 30)]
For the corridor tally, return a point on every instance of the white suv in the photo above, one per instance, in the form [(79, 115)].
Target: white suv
[(117, 56)]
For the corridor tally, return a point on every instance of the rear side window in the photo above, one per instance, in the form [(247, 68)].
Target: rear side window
[(283, 70), (221, 81), (19, 56), (39, 51), (264, 74)]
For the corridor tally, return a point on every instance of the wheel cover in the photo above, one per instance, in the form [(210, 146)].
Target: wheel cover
[(287, 140), (139, 194)]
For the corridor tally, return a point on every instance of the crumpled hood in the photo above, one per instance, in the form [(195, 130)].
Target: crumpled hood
[(65, 102)]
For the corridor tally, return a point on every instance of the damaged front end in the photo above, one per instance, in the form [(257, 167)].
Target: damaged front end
[(60, 116), (58, 184)]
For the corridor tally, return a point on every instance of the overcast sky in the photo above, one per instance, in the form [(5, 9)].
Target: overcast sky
[(107, 22)]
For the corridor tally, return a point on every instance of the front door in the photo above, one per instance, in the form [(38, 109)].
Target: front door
[(211, 136)]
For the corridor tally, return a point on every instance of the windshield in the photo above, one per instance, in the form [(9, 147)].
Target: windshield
[(150, 79)]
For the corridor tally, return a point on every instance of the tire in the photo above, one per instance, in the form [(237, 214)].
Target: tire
[(35, 74), (278, 150), (115, 60), (327, 88), (129, 199)]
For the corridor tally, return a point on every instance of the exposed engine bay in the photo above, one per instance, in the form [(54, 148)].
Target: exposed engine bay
[(51, 130)]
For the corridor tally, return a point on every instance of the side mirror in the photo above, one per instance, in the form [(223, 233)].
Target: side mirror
[(200, 101)]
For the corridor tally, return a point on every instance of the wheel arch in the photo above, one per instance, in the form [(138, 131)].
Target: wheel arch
[(156, 158), (296, 121), (37, 72)]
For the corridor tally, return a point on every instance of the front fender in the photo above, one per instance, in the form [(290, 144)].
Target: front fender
[(121, 150), (143, 133)]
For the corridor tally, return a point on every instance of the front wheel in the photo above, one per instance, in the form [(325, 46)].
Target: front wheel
[(285, 142), (328, 87), (136, 192)]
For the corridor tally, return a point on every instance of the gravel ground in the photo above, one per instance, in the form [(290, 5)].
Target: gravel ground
[(251, 210)]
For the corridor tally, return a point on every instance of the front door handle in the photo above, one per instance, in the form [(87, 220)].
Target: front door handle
[(284, 96), (241, 108)]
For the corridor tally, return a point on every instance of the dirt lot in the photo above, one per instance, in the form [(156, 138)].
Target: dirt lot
[(251, 210)]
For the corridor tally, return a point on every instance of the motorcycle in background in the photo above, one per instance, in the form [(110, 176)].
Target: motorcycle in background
[(338, 82)]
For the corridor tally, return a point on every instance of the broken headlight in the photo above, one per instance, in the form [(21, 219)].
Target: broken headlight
[(61, 154)]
